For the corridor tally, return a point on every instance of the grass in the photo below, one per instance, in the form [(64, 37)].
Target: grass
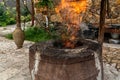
[(9, 36), (34, 34)]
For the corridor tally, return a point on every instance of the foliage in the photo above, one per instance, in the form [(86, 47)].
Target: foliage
[(2, 8), (24, 11), (45, 3), (7, 15), (26, 18), (34, 34), (9, 36), (25, 14)]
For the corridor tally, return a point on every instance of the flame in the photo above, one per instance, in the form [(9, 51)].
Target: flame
[(72, 12), (76, 5), (69, 44)]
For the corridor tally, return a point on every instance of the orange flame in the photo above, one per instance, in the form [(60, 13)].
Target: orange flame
[(76, 5), (71, 12)]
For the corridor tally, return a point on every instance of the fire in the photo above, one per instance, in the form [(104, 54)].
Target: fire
[(75, 5), (72, 12)]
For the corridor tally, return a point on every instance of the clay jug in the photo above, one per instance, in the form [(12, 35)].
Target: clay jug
[(18, 36)]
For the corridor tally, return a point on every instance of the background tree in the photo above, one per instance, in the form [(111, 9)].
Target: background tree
[(33, 12), (30, 9), (18, 19)]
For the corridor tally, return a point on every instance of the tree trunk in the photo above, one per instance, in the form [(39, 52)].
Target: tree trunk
[(33, 13), (101, 32), (18, 19)]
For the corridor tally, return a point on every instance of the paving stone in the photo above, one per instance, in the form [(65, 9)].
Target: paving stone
[(14, 63), (1, 69), (23, 75)]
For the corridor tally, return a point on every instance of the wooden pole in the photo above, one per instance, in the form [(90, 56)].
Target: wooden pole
[(102, 22), (33, 13), (18, 19), (108, 9), (101, 32)]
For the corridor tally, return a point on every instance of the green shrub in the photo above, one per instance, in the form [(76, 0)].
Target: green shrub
[(25, 14), (45, 3), (24, 11), (7, 15), (9, 36), (34, 34), (26, 18)]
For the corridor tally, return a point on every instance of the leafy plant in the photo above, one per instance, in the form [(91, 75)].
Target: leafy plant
[(9, 36), (7, 15), (26, 18), (34, 34), (45, 4), (24, 11)]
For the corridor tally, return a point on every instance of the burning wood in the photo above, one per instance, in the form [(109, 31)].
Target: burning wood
[(71, 12)]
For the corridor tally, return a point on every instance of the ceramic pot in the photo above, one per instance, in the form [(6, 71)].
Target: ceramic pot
[(18, 36), (114, 41), (114, 35)]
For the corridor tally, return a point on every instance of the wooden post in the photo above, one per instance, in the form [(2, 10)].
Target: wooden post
[(101, 32), (33, 13), (102, 22), (18, 19)]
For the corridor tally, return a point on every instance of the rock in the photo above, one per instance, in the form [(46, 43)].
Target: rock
[(111, 54), (110, 72), (92, 13), (56, 18), (118, 66)]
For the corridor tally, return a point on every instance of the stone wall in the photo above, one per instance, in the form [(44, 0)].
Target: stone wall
[(92, 14), (111, 54)]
